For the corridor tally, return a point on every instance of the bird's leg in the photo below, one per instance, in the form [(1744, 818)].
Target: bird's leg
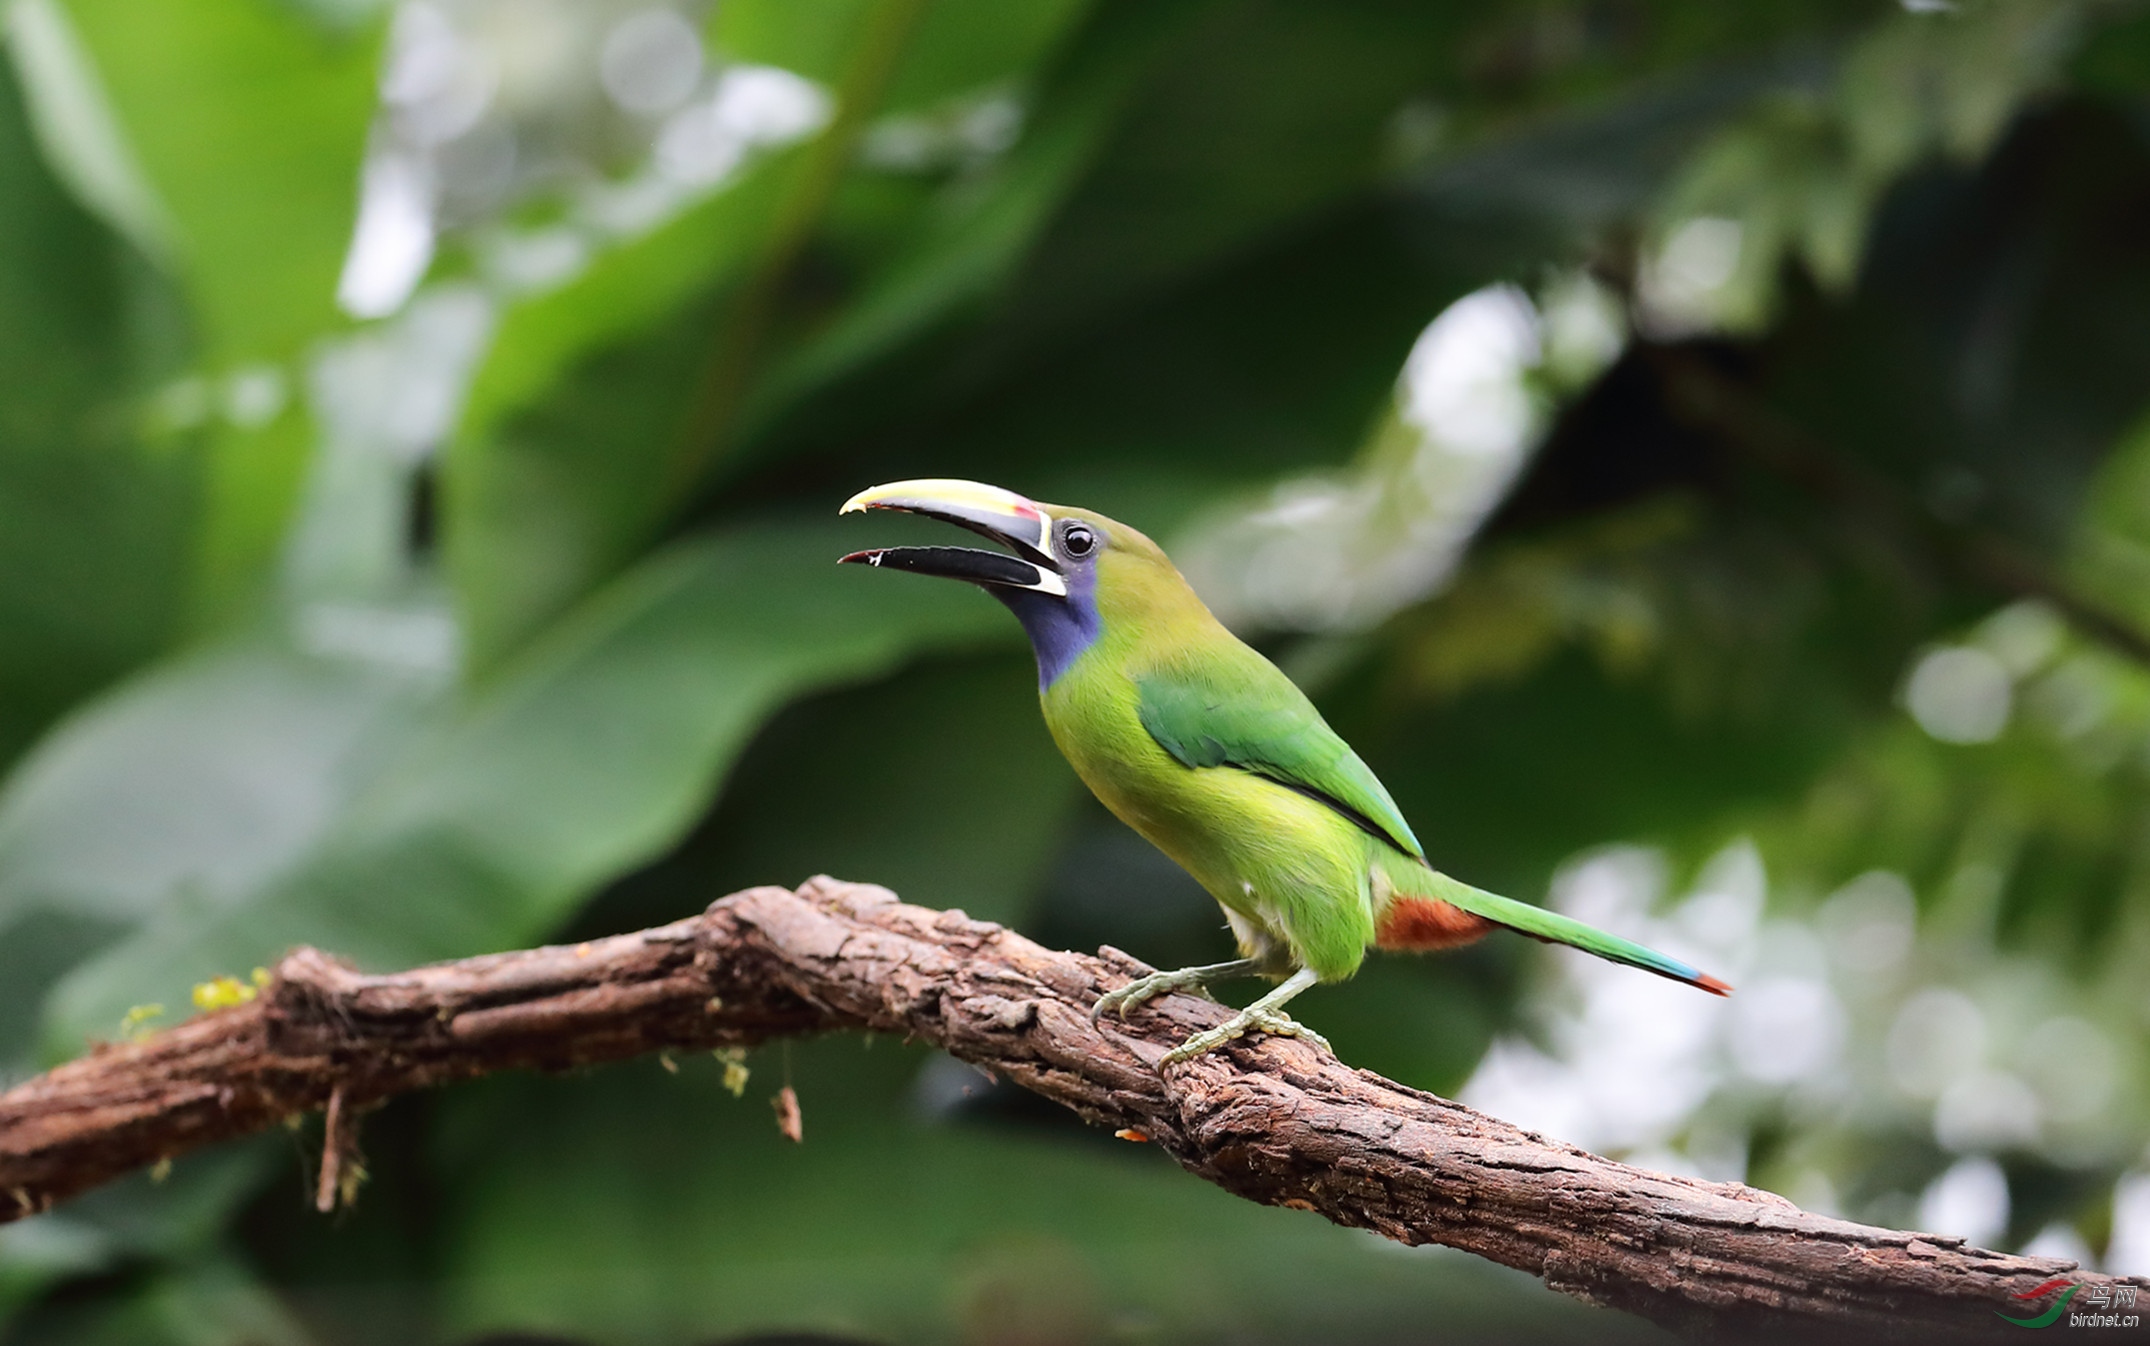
[(1144, 989), (1266, 1014)]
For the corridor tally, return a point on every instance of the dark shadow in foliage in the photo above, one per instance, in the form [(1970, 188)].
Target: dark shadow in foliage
[(980, 807), (1795, 552), (365, 1273)]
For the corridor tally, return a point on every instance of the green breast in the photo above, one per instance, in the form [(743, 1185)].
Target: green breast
[(1096, 727)]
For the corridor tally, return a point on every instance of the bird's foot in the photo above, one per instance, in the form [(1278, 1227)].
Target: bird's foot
[(1142, 990), (1254, 1018)]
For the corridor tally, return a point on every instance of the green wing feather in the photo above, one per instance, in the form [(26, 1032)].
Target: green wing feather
[(1242, 712)]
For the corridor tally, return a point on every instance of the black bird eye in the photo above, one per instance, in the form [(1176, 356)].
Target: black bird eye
[(1078, 541)]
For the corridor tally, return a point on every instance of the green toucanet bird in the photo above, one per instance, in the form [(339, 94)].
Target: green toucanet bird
[(1205, 748)]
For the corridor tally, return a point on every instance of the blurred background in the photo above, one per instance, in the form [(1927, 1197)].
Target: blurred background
[(1699, 453)]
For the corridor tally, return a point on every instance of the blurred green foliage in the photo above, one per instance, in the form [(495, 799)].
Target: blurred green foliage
[(419, 428)]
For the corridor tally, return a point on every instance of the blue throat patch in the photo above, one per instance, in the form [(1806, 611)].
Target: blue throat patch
[(1060, 629)]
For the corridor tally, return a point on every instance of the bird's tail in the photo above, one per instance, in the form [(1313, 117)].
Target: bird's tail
[(1550, 926)]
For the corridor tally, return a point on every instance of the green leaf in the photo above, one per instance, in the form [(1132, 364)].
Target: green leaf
[(1257, 114), (552, 489), (215, 770), (975, 234), (95, 525), (594, 751), (556, 478), (940, 783), (817, 38), (1255, 316), (250, 122), (965, 45), (959, 45), (78, 130), (1803, 174), (711, 339), (177, 795), (624, 293)]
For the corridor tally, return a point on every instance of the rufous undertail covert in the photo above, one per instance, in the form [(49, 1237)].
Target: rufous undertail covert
[(1204, 747)]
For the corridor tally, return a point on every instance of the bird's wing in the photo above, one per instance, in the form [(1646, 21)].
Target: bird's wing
[(1250, 716)]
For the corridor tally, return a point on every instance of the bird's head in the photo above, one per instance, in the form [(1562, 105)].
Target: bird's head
[(1065, 571)]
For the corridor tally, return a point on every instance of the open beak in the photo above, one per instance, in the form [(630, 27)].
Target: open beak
[(1021, 525)]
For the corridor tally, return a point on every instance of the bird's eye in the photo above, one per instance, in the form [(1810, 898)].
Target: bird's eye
[(1079, 541)]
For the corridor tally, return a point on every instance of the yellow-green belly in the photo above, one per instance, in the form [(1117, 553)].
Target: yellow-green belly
[(1291, 870)]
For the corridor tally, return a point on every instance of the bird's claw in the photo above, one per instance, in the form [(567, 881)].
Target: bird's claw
[(1276, 1023), (1142, 990)]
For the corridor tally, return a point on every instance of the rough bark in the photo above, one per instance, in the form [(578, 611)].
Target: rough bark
[(1274, 1120)]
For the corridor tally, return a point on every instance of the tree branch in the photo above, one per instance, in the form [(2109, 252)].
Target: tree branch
[(1273, 1120)]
